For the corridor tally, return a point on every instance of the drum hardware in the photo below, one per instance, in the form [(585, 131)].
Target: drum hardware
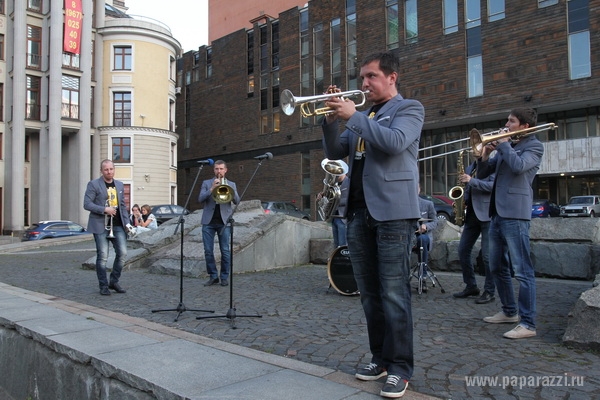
[(422, 272), (340, 273)]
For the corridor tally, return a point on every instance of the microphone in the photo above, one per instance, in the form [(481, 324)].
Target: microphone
[(208, 161), (266, 156)]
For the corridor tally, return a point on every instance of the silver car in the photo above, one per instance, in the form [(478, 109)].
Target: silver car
[(581, 206)]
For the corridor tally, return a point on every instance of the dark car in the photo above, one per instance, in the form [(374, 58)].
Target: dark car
[(444, 210), (544, 208), (284, 207), (165, 212), (53, 229), (445, 199)]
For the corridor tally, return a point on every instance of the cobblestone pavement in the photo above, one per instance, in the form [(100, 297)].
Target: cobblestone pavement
[(301, 318)]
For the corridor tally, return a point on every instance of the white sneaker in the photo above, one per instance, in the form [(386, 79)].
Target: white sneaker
[(519, 332), (501, 318)]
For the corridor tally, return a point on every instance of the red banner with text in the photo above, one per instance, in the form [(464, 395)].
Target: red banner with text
[(73, 22)]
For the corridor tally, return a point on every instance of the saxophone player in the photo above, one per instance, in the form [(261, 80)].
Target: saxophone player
[(477, 194)]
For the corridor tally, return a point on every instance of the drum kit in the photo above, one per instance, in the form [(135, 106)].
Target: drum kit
[(421, 270)]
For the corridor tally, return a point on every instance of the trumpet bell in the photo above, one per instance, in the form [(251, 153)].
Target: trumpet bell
[(223, 193)]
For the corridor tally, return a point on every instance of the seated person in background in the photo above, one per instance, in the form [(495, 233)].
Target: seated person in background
[(146, 221), (135, 215), (426, 225)]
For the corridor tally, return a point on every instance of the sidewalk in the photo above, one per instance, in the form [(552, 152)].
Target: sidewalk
[(304, 326)]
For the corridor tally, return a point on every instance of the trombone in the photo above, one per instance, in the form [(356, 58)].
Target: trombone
[(478, 140), (289, 102)]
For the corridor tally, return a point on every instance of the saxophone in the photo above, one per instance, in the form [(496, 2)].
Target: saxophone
[(328, 200), (457, 193)]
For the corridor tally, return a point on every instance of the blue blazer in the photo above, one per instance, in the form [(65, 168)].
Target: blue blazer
[(479, 191), (515, 168), (390, 175), (94, 201), (205, 197)]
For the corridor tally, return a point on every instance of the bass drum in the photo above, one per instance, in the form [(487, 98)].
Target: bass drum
[(339, 271)]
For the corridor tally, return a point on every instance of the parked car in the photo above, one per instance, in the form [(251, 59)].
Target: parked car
[(53, 229), (165, 212), (445, 211), (284, 207), (445, 199), (581, 206), (544, 208)]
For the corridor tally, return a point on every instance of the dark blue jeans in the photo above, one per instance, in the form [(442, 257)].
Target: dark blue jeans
[(512, 236), (208, 237), (119, 243), (471, 230), (379, 252), (338, 226)]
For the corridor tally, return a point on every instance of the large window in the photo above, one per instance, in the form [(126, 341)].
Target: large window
[(122, 109), (450, 16), (336, 54), (34, 5), (411, 21), (121, 150), (495, 10), (122, 58), (70, 97), (391, 8), (1, 47), (474, 48), (32, 106), (209, 65), (34, 46), (351, 46), (578, 14)]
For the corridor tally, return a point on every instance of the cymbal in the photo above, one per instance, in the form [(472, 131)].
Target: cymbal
[(424, 220)]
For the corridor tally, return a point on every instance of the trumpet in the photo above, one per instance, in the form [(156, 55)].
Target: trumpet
[(289, 102), (478, 140), (108, 222)]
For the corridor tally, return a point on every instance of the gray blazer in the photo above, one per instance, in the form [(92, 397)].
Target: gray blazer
[(479, 191), (390, 175), (205, 197), (94, 201), (428, 212), (515, 168)]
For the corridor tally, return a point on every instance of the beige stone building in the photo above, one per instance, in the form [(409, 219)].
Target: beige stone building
[(62, 113)]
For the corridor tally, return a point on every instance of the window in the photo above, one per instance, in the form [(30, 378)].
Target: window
[(474, 48), (209, 66), (391, 8), (411, 27), (495, 10), (336, 53), (2, 6), (352, 70), (121, 150), (578, 14), (546, 3), (32, 106), (450, 16), (34, 5), (1, 106), (1, 47), (34, 46), (122, 109), (305, 82), (122, 58), (472, 13), (70, 60), (70, 97), (250, 61)]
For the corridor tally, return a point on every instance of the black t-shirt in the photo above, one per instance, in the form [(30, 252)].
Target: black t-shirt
[(356, 197), (113, 201)]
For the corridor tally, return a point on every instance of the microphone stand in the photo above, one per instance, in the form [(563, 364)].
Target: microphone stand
[(181, 308), (231, 313)]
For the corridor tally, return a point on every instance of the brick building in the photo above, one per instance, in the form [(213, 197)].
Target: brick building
[(469, 64)]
